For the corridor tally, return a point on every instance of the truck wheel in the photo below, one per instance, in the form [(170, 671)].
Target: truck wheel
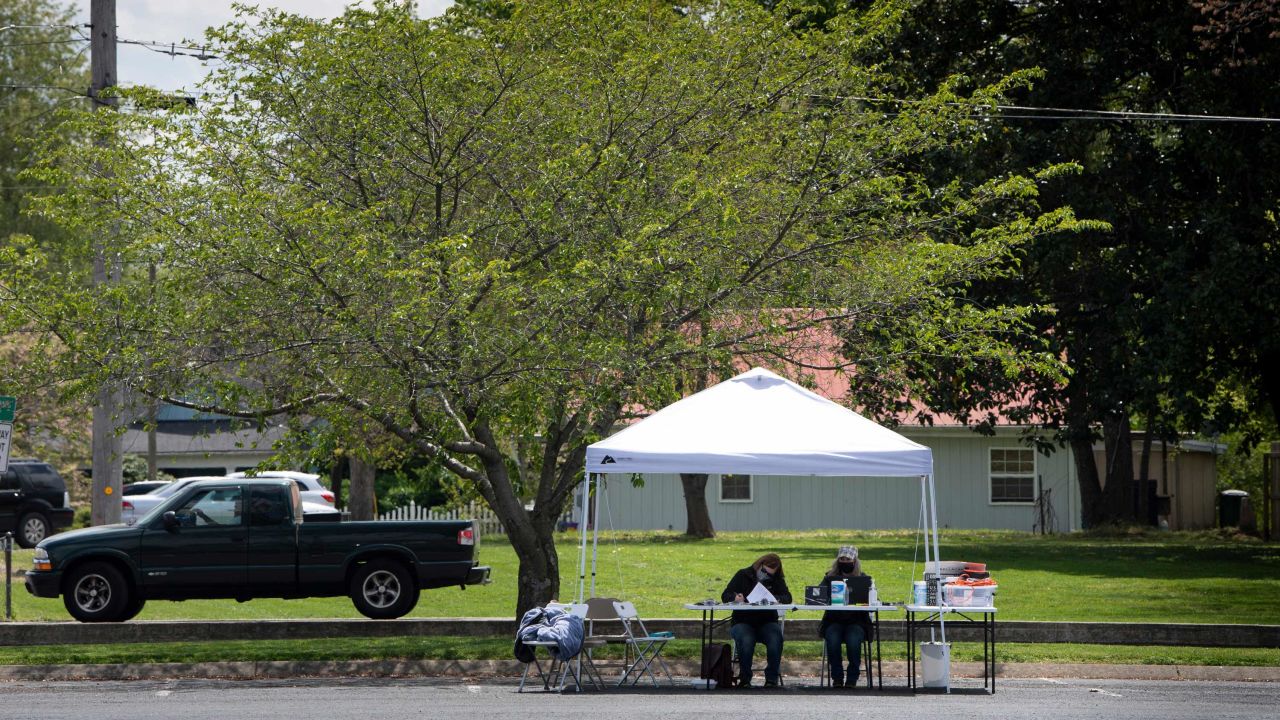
[(383, 589), (96, 592), (32, 528), (132, 609)]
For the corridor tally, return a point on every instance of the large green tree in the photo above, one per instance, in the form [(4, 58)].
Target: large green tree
[(42, 69), (1163, 315), (485, 235)]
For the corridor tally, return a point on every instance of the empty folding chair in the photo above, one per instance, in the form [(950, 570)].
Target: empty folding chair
[(647, 646), (603, 629)]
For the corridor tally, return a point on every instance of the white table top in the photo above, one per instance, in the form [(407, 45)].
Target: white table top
[(793, 606), (949, 609)]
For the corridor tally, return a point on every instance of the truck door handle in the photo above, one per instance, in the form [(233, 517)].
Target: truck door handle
[(237, 538)]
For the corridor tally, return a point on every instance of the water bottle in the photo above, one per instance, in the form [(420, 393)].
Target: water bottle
[(918, 592), (873, 598), (837, 592)]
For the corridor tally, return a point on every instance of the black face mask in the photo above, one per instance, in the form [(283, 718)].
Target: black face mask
[(845, 567)]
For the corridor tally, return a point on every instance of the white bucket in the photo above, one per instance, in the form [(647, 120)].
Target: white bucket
[(935, 664)]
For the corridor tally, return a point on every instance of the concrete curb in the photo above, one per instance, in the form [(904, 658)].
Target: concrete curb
[(511, 669), (1008, 631)]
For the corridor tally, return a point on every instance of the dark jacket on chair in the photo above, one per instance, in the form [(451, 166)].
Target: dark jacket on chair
[(842, 617), (744, 581)]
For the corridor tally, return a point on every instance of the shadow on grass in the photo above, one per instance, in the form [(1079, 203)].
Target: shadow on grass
[(1111, 553)]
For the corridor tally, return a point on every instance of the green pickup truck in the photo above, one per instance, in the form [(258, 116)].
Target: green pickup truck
[(244, 539)]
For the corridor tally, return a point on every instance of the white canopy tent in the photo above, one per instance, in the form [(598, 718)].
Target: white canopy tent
[(757, 423)]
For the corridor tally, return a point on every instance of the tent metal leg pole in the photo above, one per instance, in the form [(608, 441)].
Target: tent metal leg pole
[(924, 519), (601, 488), (933, 517), (582, 533), (937, 555)]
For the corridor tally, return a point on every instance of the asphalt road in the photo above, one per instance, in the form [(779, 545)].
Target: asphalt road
[(488, 699)]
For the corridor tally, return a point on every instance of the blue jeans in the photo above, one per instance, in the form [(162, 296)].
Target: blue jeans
[(851, 636), (745, 638)]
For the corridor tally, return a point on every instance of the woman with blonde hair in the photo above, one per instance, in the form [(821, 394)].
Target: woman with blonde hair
[(752, 626), (844, 628)]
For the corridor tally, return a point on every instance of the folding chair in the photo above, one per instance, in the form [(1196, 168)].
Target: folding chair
[(563, 669), (825, 673), (782, 628), (647, 646), (600, 609)]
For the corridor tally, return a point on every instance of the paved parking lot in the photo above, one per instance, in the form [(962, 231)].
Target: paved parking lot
[(362, 698)]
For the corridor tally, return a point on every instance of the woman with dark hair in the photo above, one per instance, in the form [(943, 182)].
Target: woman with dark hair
[(844, 628), (753, 626)]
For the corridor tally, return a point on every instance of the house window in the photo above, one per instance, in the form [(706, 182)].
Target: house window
[(735, 488), (1013, 475)]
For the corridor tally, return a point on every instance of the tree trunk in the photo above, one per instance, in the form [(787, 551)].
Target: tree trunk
[(1143, 508), (1269, 381), (539, 573), (1092, 513), (362, 501), (695, 504), (1118, 493), (337, 474)]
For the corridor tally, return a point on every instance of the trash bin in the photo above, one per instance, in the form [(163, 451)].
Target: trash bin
[(935, 664), (1230, 503)]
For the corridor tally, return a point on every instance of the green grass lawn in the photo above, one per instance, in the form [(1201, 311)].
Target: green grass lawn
[(1145, 577), (1153, 577), (454, 648)]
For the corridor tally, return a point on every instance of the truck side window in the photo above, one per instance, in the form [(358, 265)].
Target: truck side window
[(9, 480), (218, 507), (268, 507)]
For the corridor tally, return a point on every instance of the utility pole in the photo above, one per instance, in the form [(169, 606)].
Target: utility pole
[(107, 449)]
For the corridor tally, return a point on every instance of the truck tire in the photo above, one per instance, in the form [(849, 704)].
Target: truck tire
[(132, 609), (32, 528), (383, 589), (96, 592)]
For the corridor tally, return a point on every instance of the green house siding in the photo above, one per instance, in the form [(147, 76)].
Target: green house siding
[(961, 466)]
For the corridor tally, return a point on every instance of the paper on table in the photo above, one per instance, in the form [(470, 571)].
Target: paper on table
[(761, 594)]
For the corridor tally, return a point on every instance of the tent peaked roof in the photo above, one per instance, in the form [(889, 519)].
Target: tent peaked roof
[(763, 424)]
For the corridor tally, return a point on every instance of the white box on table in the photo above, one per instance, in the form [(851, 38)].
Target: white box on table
[(969, 595)]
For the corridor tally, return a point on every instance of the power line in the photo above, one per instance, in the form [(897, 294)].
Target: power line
[(44, 87), (1135, 115), (34, 187), (171, 49), (1070, 113), (53, 107), (43, 42), (41, 27)]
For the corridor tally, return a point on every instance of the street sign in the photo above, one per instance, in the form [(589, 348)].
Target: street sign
[(6, 434), (7, 407)]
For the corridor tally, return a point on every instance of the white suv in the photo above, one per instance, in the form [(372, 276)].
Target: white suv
[(308, 484)]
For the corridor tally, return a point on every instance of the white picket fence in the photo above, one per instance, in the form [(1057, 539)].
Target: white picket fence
[(484, 517), (478, 511)]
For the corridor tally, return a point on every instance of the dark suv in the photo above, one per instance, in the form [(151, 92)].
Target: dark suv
[(33, 501)]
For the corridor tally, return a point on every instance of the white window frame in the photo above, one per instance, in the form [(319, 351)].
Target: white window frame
[(751, 489), (1035, 478)]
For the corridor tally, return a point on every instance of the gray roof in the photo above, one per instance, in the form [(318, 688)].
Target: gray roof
[(203, 438)]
